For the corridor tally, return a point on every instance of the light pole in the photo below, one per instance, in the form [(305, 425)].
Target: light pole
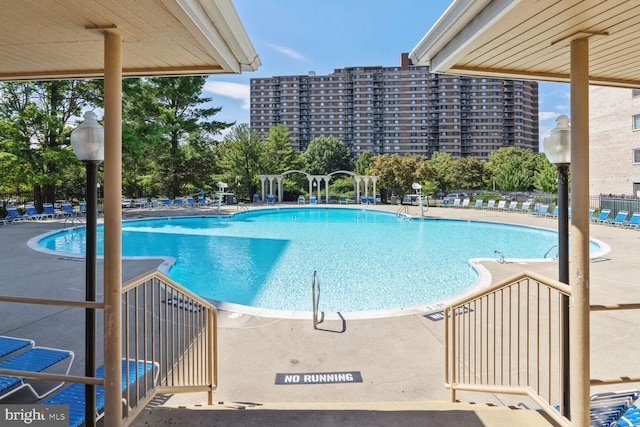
[(557, 148), (87, 141)]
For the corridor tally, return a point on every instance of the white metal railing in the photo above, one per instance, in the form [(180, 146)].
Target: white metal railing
[(508, 339)]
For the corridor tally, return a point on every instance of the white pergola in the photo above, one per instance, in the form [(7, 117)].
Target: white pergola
[(112, 39), (582, 42)]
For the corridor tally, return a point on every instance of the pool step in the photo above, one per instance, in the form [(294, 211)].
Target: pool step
[(249, 414)]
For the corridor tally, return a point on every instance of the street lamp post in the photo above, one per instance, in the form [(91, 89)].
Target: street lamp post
[(557, 148), (87, 141)]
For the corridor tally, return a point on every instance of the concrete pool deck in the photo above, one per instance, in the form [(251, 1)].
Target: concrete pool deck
[(399, 358)]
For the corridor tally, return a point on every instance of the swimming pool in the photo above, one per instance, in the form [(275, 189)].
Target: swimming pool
[(365, 259)]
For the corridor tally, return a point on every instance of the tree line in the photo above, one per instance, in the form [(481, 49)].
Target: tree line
[(172, 145)]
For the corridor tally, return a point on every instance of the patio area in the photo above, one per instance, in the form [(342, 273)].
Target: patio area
[(399, 358)]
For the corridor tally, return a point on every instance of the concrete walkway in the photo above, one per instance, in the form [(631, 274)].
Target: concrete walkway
[(399, 358)]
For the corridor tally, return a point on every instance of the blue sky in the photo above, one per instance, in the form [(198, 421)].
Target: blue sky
[(297, 36)]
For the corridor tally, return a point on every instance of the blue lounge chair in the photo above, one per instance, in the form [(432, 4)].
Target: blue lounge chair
[(256, 198), (609, 408), (74, 395), (620, 218), (36, 359), (634, 221), (190, 202), (333, 199), (603, 215), (363, 200), (478, 204), (51, 211), (301, 200), (14, 215), (323, 198), (371, 200), (68, 209), (313, 200), (592, 212), (32, 213), (555, 212), (10, 345), (544, 210), (271, 199), (202, 201), (178, 202), (343, 200)]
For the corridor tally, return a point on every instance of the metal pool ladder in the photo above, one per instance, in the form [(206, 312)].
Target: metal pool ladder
[(315, 283)]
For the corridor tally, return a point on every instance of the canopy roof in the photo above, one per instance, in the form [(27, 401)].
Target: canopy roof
[(61, 39), (530, 39)]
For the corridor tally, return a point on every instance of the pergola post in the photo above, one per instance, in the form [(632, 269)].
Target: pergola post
[(112, 228), (579, 275)]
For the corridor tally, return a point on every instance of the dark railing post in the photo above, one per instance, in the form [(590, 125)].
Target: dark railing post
[(563, 276), (90, 292)]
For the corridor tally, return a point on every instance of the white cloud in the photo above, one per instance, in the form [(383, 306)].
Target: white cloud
[(289, 52), (547, 115), (232, 90)]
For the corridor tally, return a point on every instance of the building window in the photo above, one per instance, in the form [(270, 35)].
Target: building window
[(636, 122), (635, 92), (636, 156)]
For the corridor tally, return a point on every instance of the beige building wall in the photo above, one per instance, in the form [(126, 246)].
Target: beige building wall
[(615, 145)]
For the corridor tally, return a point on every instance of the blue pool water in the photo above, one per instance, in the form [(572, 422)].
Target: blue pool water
[(365, 259)]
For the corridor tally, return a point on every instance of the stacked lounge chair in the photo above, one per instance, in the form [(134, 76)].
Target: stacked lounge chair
[(32, 359)]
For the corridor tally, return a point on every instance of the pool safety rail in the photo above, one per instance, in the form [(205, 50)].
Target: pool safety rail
[(315, 295), (163, 324)]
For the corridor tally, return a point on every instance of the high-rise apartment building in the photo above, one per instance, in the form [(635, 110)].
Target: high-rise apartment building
[(399, 110)]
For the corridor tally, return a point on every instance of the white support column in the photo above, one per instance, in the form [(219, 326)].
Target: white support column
[(270, 177), (366, 186), (357, 179), (326, 187), (579, 275), (310, 179), (112, 229), (279, 180), (262, 187), (374, 179)]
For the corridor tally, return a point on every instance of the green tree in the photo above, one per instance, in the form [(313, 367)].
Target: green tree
[(36, 118), (546, 176), (468, 173), (171, 113), (512, 168), (278, 154), (326, 155), (364, 163), (240, 161), (395, 173), (439, 170)]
